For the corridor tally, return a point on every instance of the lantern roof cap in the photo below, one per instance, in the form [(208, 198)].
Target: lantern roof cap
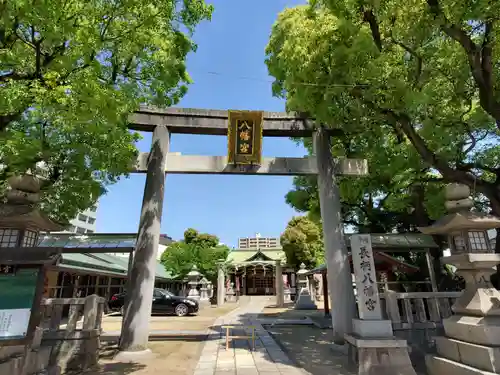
[(459, 221)]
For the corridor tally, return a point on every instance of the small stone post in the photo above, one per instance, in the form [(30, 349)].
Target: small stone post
[(279, 285), (293, 286), (220, 283), (304, 301), (210, 288), (378, 351), (193, 277)]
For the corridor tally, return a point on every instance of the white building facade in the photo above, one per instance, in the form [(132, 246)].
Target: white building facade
[(84, 222)]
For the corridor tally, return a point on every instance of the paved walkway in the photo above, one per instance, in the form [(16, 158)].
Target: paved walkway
[(266, 359)]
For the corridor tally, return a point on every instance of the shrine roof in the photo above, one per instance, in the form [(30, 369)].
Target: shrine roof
[(249, 255), (94, 242), (405, 241), (105, 263), (94, 252), (380, 258)]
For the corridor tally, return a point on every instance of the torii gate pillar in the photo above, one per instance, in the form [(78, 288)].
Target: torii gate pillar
[(337, 261)]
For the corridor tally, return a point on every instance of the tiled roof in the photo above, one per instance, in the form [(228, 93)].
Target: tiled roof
[(105, 263), (245, 255), (96, 262)]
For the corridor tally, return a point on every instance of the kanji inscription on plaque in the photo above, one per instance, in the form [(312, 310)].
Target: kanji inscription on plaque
[(365, 276)]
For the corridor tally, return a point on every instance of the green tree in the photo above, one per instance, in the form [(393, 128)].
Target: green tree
[(302, 242), (71, 72), (419, 73), (200, 249)]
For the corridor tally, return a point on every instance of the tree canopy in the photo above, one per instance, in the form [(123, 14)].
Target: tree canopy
[(200, 249), (71, 72), (412, 83), (302, 242)]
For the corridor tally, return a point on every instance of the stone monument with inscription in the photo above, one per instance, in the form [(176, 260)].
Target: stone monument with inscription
[(471, 344), (377, 350)]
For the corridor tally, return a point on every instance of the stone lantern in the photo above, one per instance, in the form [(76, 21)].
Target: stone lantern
[(304, 301), (20, 219), (193, 276), (472, 340)]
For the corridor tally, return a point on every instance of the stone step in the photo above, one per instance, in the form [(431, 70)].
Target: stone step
[(480, 356), (442, 366)]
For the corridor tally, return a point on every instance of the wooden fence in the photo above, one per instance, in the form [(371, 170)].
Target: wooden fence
[(418, 310), (418, 318), (60, 344)]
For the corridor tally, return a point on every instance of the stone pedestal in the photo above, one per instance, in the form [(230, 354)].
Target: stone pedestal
[(382, 356), (376, 351), (304, 300), (472, 341)]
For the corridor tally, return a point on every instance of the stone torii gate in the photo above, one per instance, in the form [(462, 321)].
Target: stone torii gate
[(164, 122)]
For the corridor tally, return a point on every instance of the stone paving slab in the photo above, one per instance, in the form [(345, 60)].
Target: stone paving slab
[(240, 359)]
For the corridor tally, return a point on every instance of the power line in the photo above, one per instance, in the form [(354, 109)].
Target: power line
[(247, 78)]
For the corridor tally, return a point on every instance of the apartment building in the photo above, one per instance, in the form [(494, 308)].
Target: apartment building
[(258, 242), (84, 222)]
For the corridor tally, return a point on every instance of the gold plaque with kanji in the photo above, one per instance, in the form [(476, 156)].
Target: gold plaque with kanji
[(245, 137)]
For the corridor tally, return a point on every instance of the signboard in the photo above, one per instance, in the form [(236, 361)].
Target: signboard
[(18, 287), (365, 276), (245, 137)]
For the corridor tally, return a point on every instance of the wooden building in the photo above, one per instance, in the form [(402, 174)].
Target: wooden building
[(95, 264), (253, 271)]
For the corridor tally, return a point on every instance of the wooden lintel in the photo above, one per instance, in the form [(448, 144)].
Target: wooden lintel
[(198, 164), (214, 122)]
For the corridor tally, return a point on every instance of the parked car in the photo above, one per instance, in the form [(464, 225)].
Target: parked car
[(164, 302)]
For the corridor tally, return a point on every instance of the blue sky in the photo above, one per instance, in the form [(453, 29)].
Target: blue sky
[(229, 73)]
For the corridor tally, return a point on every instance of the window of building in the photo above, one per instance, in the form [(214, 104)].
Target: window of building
[(90, 231), (80, 230), (8, 237), (93, 209), (91, 220), (82, 217)]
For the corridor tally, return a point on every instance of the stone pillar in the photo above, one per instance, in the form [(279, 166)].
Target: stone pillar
[(378, 352), (220, 283), (279, 285), (326, 297), (244, 283), (337, 261), (135, 326), (293, 286), (304, 301)]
